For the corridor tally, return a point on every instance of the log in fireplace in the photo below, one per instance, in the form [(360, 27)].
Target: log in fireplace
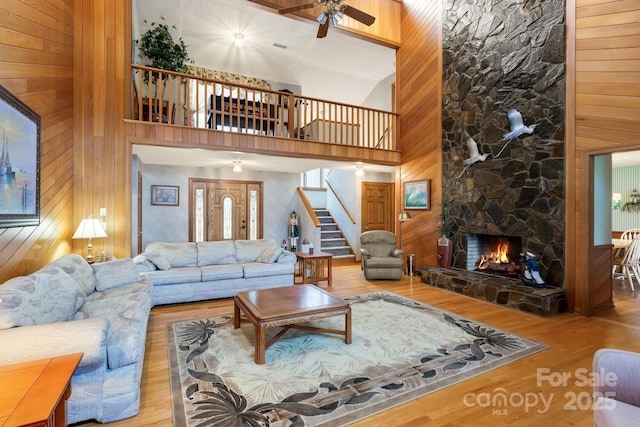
[(491, 254)]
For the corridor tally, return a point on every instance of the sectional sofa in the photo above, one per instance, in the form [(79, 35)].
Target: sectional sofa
[(68, 307), (182, 272)]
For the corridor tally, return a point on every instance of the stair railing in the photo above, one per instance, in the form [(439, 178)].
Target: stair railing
[(344, 207)]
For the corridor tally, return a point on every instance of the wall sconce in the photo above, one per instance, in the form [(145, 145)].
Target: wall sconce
[(89, 228), (237, 166), (617, 201), (359, 170)]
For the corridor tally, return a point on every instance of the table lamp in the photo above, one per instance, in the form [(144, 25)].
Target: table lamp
[(90, 228)]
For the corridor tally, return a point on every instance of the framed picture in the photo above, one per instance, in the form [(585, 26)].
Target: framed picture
[(417, 195), (19, 162), (166, 195)]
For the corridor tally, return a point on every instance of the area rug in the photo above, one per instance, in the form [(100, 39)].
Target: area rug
[(401, 350)]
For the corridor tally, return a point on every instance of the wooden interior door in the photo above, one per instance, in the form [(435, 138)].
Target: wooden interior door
[(377, 206)]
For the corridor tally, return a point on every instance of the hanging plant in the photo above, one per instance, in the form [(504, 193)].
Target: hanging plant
[(158, 46)]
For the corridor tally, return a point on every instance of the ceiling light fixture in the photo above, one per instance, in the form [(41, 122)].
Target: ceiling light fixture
[(238, 39), (359, 170), (237, 166)]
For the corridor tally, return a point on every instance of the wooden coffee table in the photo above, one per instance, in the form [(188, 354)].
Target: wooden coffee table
[(287, 307)]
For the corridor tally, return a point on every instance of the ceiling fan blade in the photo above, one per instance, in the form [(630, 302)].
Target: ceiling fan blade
[(296, 8), (358, 15), (323, 29)]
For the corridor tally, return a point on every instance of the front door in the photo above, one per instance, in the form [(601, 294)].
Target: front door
[(225, 210), (377, 206)]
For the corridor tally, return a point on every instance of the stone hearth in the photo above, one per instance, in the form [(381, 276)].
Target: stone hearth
[(498, 290)]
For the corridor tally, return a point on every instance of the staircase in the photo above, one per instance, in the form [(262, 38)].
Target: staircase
[(332, 240)]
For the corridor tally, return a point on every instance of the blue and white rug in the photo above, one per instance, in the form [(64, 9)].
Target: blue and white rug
[(402, 349)]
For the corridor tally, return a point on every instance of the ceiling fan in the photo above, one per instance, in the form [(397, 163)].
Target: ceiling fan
[(332, 14)]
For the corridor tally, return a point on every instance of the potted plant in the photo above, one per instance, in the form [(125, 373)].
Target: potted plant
[(160, 49)]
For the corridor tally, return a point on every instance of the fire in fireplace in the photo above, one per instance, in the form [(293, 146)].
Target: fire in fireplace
[(494, 254)]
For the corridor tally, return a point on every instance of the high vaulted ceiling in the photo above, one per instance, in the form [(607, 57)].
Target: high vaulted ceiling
[(278, 48)]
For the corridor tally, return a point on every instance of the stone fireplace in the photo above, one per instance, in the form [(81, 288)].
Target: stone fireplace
[(499, 56)]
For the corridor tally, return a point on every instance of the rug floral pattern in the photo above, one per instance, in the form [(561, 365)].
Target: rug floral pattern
[(401, 349)]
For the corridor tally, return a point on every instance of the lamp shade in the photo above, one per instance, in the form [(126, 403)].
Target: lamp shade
[(404, 216), (89, 228)]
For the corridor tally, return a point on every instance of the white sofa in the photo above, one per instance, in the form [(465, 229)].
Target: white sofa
[(68, 307), (183, 272)]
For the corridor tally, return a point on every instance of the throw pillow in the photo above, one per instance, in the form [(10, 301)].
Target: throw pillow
[(270, 254), (161, 262), (117, 273)]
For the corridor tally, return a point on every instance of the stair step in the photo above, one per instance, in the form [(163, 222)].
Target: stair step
[(326, 220), (332, 243), (338, 250), (329, 227), (332, 234)]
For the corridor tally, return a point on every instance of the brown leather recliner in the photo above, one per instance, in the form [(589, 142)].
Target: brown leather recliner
[(380, 257)]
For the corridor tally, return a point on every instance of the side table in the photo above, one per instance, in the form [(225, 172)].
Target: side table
[(314, 267), (35, 393)]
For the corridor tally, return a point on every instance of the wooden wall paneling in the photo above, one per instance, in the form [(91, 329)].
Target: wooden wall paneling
[(419, 80), (603, 115), (36, 64), (102, 162)]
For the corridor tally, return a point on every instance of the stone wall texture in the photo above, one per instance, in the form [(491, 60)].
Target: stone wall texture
[(497, 56)]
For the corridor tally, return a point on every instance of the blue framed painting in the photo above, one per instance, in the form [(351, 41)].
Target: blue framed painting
[(19, 162), (417, 195)]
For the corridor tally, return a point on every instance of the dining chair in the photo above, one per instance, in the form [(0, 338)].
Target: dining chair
[(619, 253), (630, 265)]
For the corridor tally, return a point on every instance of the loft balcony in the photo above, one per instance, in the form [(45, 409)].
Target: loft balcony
[(217, 115)]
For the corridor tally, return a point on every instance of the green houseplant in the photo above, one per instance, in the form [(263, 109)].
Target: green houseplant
[(160, 49), (158, 46)]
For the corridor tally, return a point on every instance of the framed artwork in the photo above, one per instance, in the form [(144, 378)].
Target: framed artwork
[(19, 162), (417, 195), (165, 195)]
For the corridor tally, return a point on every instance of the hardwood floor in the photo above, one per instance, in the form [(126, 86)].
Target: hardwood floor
[(572, 341)]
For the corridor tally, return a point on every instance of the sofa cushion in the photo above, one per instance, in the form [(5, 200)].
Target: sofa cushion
[(116, 273), (219, 272), (158, 261), (178, 254), (76, 267), (59, 285), (250, 250), (259, 269), (24, 302), (143, 286), (175, 275), (128, 325), (270, 254), (220, 252)]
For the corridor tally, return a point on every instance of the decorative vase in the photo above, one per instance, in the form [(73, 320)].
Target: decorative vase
[(445, 246)]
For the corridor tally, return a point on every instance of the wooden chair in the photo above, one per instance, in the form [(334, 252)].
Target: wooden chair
[(619, 253), (630, 264)]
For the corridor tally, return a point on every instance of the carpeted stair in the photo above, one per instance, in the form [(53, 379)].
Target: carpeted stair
[(332, 240)]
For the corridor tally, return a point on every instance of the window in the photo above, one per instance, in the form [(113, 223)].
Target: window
[(314, 178), (227, 218)]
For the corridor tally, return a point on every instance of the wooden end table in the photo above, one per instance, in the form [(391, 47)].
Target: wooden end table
[(314, 267), (287, 307), (35, 393)]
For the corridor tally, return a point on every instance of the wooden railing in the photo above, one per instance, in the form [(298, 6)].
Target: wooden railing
[(186, 100)]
